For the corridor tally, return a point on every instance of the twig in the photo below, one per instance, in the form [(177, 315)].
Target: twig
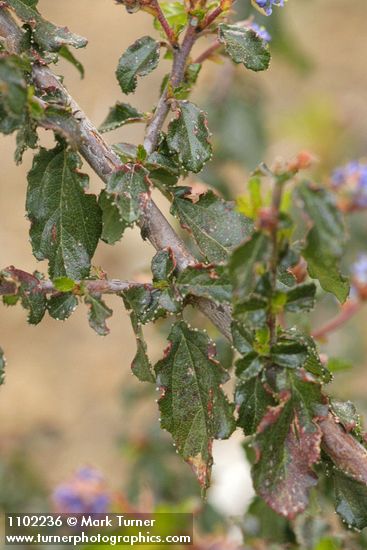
[(157, 229), (206, 54), (172, 38), (9, 287), (347, 312)]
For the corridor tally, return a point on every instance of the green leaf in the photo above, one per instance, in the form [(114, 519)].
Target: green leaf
[(287, 445), (2, 367), (243, 338), (176, 15), (163, 265), (244, 262), (129, 188), (351, 500), (61, 306), (46, 34), (65, 221), (150, 303), (244, 45), (64, 284), (289, 354), (249, 366), (301, 298), (252, 401), (98, 313), (335, 364), (113, 226), (347, 415), (13, 94), (193, 406), (30, 293), (120, 114), (140, 59), (325, 241), (69, 56), (188, 136), (214, 223), (205, 282), (141, 365)]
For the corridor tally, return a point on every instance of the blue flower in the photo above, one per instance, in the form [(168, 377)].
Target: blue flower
[(266, 6), (359, 270), (351, 180), (260, 31), (84, 493)]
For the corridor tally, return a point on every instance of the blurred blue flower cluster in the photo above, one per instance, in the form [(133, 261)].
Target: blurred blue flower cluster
[(260, 31), (359, 269), (351, 180), (266, 6), (85, 493)]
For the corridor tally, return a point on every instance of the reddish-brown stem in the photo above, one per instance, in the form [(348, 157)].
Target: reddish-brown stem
[(211, 17), (169, 32), (348, 310), (208, 52)]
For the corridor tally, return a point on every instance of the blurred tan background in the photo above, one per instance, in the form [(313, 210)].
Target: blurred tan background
[(61, 401)]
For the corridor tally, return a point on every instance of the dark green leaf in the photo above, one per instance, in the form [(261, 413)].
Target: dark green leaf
[(301, 298), (243, 338), (69, 56), (249, 367), (113, 226), (347, 415), (139, 59), (141, 365), (244, 262), (13, 94), (98, 313), (61, 306), (66, 222), (252, 401), (120, 114), (163, 265), (289, 354), (288, 445), (30, 293), (325, 240), (188, 136), (244, 45), (351, 500), (47, 35), (150, 303), (193, 406), (129, 188), (214, 223), (205, 282)]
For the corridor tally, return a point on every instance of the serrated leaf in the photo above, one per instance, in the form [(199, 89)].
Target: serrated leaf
[(163, 265), (252, 400), (98, 314), (120, 114), (351, 500), (214, 223), (2, 367), (245, 46), (289, 354), (249, 366), (65, 221), (193, 406), (140, 59), (205, 282), (129, 188), (288, 443), (113, 226), (243, 338), (244, 262), (347, 415), (69, 56), (141, 365), (61, 306), (325, 241), (31, 296), (188, 136), (13, 94), (150, 303), (301, 298), (47, 35)]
